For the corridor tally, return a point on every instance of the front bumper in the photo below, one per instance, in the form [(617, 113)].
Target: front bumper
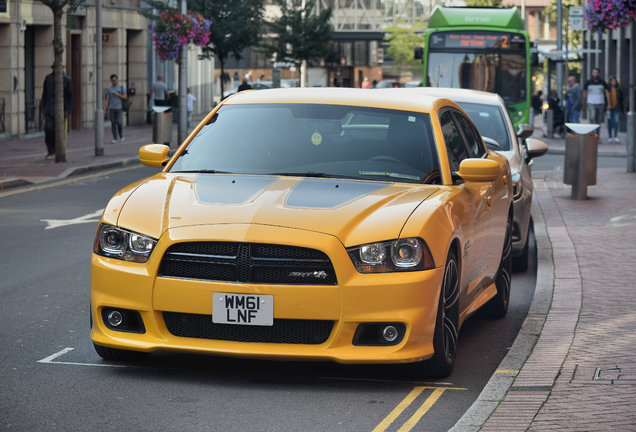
[(408, 298)]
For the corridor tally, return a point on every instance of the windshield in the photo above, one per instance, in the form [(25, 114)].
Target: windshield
[(314, 140), (490, 121), (501, 73)]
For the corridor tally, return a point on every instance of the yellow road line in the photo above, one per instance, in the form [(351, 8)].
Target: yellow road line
[(67, 181), (408, 400), (507, 371), (398, 409), (428, 403)]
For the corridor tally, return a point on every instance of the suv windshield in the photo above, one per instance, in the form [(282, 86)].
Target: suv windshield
[(490, 121), (314, 140)]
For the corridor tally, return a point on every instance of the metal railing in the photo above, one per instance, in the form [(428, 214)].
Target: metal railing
[(33, 116), (2, 127)]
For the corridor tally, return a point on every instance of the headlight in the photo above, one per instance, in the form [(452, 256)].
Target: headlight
[(408, 254), (118, 243), (517, 186)]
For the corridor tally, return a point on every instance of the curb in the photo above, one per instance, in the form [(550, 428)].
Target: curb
[(559, 151), (69, 172), (501, 381)]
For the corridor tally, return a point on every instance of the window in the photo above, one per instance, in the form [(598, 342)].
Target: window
[(475, 146), (455, 145)]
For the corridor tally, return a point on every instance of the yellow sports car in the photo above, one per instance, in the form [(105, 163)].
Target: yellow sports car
[(337, 224)]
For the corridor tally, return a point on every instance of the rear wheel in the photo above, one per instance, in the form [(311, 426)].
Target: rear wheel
[(446, 325), (499, 303), (120, 355)]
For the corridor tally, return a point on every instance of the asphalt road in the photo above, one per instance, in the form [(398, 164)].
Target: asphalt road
[(53, 380)]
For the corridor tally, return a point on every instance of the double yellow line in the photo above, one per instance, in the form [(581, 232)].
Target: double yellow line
[(407, 401)]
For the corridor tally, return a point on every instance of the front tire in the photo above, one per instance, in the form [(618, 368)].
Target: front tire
[(499, 303), (447, 322)]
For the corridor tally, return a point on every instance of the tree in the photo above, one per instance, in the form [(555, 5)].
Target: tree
[(236, 25), (57, 7), (402, 42), (299, 33), (484, 3)]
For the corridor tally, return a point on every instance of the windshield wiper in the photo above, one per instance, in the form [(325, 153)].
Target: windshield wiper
[(390, 174), (301, 174), (202, 171)]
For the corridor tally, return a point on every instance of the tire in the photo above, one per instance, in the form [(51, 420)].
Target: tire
[(520, 263), (498, 305), (446, 324), (120, 355)]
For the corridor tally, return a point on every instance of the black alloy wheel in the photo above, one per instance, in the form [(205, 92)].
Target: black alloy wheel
[(447, 323)]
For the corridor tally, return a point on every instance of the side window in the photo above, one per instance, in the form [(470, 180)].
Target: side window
[(455, 146), (475, 146)]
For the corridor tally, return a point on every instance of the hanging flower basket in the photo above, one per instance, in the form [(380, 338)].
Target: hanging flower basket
[(603, 15), (173, 31)]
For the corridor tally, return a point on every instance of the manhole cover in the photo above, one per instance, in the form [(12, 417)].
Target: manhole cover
[(615, 374)]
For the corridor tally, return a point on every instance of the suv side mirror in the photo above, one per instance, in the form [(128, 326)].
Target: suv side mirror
[(524, 131)]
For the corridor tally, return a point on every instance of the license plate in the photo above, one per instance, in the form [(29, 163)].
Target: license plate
[(243, 309)]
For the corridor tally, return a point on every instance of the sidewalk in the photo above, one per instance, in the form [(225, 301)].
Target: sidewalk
[(573, 364)]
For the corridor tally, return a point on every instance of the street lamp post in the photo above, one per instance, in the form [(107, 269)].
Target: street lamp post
[(99, 111), (631, 116), (183, 84)]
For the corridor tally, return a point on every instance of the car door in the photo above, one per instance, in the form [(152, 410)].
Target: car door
[(462, 142)]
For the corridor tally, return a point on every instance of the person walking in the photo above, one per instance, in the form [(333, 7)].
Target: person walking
[(48, 106), (115, 95), (615, 107), (574, 96), (190, 105), (159, 92), (595, 97), (536, 102)]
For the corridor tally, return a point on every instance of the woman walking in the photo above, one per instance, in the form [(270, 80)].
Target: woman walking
[(614, 109)]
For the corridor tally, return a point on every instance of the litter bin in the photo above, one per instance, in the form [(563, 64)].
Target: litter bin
[(581, 152), (161, 125)]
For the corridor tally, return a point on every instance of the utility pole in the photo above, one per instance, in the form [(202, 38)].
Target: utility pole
[(99, 102), (559, 65), (631, 116), (183, 84)]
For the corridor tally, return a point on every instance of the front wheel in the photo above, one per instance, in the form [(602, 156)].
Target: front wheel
[(447, 322)]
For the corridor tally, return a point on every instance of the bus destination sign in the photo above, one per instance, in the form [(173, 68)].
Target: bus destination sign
[(477, 40)]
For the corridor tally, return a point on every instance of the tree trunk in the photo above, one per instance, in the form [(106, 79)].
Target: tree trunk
[(222, 78), (58, 49)]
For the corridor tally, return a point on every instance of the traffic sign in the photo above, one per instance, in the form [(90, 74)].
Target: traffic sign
[(577, 21)]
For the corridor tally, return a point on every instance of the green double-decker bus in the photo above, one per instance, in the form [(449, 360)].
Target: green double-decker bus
[(482, 49)]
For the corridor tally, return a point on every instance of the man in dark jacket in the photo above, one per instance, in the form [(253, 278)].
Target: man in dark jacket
[(48, 105)]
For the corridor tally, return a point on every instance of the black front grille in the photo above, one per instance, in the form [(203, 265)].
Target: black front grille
[(248, 262), (289, 331)]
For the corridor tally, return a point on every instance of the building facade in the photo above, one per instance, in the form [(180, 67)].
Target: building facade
[(26, 36)]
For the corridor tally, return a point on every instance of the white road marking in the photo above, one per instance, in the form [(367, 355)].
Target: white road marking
[(57, 223), (49, 360)]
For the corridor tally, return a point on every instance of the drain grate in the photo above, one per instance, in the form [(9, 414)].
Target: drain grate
[(618, 373)]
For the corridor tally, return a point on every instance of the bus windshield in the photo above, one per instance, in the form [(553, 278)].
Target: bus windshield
[(499, 72)]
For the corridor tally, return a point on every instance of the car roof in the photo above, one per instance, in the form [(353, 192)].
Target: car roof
[(462, 95), (390, 98)]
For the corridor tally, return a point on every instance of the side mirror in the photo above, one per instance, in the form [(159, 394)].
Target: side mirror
[(154, 155), (535, 148), (524, 131), (478, 170), (418, 53)]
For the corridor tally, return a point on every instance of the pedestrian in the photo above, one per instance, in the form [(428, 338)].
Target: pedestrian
[(595, 97), (244, 85), (366, 84), (159, 92), (574, 96), (537, 101), (615, 107), (48, 105), (190, 105), (115, 95)]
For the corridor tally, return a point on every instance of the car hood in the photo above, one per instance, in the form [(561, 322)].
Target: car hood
[(353, 211)]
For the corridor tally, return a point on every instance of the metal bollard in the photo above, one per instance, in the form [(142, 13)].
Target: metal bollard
[(581, 152)]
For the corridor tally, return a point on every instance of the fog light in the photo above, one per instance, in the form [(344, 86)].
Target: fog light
[(115, 318), (390, 333)]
